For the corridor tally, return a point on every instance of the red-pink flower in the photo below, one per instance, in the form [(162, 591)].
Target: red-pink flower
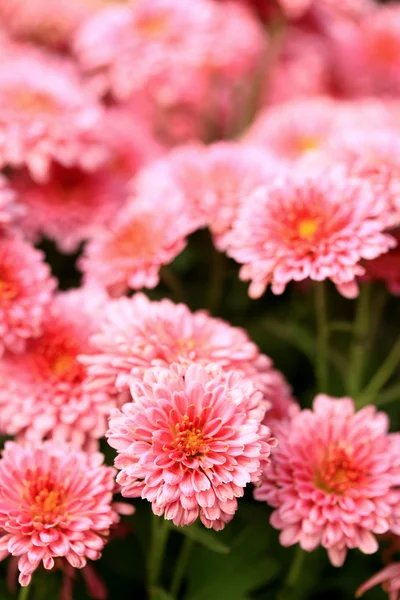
[(136, 334), (54, 501), (190, 442), (42, 391), (149, 231), (334, 478), (25, 291), (389, 577), (46, 115), (312, 224)]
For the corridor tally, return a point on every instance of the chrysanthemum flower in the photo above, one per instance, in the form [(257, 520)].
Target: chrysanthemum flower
[(333, 478), (190, 442), (309, 224), (42, 391), (25, 291), (136, 334), (49, 22), (55, 501), (389, 577), (71, 206), (149, 231), (46, 115)]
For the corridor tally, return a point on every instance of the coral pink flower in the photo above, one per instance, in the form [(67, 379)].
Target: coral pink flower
[(49, 22), (54, 501), (147, 233), (309, 224), (45, 115), (71, 206), (42, 391), (333, 478), (190, 442), (389, 577), (136, 334), (25, 291)]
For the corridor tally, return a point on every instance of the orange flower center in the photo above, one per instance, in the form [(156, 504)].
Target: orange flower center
[(189, 438), (384, 48), (337, 471), (307, 228), (153, 26), (45, 498), (56, 358), (135, 240), (33, 101), (308, 143), (8, 289)]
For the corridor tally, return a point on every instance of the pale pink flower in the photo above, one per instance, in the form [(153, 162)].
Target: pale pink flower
[(49, 22), (333, 478), (389, 577), (55, 501), (46, 115), (136, 334), (25, 292), (149, 231), (42, 391), (309, 224), (190, 442)]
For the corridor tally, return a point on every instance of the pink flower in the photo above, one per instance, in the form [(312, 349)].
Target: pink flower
[(46, 115), (386, 267), (137, 334), (25, 291), (8, 207), (333, 478), (309, 224), (42, 391), (54, 501), (389, 577), (150, 231), (190, 442)]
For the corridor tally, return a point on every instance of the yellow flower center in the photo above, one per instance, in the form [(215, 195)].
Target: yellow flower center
[(307, 228), (337, 471)]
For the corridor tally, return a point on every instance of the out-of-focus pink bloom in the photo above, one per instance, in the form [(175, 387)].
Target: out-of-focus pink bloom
[(186, 60), (389, 577), (42, 391), (190, 442), (54, 502), (46, 115), (49, 22), (310, 223), (71, 206), (333, 478), (137, 334), (25, 291), (9, 209), (149, 231), (386, 267)]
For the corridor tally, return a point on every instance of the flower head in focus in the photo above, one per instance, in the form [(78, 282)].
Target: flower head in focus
[(309, 223), (334, 478), (55, 501), (190, 442), (42, 392), (46, 115), (26, 288)]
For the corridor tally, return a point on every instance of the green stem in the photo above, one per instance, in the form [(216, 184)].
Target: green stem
[(172, 282), (382, 375), (359, 348), (388, 395), (322, 342), (24, 593), (291, 584), (181, 566), (159, 536)]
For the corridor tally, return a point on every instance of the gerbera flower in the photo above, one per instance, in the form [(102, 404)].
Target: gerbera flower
[(54, 502), (309, 224), (46, 115), (333, 478), (42, 392), (190, 442), (25, 291)]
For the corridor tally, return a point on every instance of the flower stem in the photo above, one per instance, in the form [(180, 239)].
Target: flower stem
[(172, 282), (216, 285), (159, 537), (359, 342), (24, 592), (322, 345), (288, 592), (181, 566), (382, 376)]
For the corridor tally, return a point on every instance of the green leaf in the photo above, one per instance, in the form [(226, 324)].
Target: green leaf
[(206, 538), (161, 594)]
